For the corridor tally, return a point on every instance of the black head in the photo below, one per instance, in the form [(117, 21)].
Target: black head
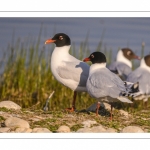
[(60, 39), (129, 54), (96, 57)]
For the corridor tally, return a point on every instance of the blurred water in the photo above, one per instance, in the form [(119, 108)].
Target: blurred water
[(118, 32)]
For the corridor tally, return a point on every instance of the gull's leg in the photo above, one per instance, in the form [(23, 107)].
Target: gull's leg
[(74, 100), (111, 112), (97, 108), (72, 109)]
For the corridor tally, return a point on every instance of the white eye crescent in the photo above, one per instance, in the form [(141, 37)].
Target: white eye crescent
[(92, 56), (128, 52), (61, 37)]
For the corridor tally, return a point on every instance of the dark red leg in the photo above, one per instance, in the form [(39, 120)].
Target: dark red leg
[(111, 112), (74, 100), (72, 109)]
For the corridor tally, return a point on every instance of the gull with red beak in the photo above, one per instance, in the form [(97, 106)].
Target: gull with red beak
[(67, 69), (104, 85), (123, 65)]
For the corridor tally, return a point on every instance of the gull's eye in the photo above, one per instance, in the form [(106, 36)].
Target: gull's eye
[(92, 56), (61, 37)]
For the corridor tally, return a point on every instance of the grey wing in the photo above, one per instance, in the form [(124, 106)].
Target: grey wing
[(112, 67), (105, 83), (135, 75), (120, 69), (123, 69), (143, 77), (77, 71)]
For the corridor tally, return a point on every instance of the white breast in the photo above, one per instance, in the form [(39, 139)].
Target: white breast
[(62, 59), (143, 65), (59, 54)]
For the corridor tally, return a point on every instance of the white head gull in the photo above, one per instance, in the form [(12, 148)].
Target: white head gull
[(123, 66), (104, 85), (68, 70), (142, 75)]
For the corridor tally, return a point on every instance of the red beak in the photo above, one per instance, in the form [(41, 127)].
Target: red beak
[(86, 59), (137, 57), (49, 41)]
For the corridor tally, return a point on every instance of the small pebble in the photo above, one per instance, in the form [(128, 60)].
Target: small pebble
[(10, 105), (63, 129), (16, 122), (4, 130), (96, 129), (110, 130), (88, 123), (132, 129), (124, 113), (41, 130), (23, 130)]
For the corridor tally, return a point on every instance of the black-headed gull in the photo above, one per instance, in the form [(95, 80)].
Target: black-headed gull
[(123, 66), (104, 85), (68, 70), (142, 75)]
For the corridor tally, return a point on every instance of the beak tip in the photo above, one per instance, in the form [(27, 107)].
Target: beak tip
[(86, 59), (137, 57), (49, 41)]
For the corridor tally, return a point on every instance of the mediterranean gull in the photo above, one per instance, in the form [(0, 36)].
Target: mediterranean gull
[(104, 85), (67, 69)]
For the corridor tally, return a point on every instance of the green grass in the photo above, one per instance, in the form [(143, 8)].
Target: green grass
[(27, 78), (47, 123), (76, 127), (1, 118), (28, 81)]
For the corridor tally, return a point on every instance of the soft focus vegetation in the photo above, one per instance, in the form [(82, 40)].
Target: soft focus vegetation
[(28, 81)]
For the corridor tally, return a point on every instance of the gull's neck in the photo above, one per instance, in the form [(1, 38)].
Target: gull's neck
[(60, 53), (96, 66), (143, 65), (121, 58), (63, 49)]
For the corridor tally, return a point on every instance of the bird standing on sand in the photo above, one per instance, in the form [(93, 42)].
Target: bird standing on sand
[(67, 69), (123, 66)]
